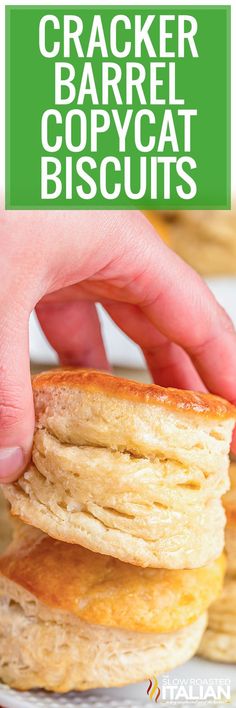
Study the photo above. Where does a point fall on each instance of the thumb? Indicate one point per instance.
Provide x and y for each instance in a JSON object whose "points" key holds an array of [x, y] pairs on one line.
{"points": [[16, 400]]}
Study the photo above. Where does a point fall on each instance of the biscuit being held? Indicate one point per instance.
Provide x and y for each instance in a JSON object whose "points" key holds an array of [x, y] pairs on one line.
{"points": [[126, 469]]}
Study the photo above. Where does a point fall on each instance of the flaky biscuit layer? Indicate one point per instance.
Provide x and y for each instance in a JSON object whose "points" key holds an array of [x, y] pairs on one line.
{"points": [[126, 469], [54, 650], [103, 591]]}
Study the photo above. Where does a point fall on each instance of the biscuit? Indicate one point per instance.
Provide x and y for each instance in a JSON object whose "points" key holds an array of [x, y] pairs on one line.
{"points": [[229, 502], [46, 650], [205, 239], [218, 646], [98, 622], [5, 523], [126, 469], [219, 640], [102, 590]]}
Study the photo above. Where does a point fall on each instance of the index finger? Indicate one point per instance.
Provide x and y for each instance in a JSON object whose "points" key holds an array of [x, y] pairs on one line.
{"points": [[179, 303]]}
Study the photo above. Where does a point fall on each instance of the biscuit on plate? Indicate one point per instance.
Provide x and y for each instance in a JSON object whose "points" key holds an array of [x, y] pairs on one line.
{"points": [[72, 619], [219, 641], [229, 502], [126, 469]]}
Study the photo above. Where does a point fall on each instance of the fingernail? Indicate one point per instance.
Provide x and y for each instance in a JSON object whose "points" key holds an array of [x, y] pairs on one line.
{"points": [[11, 462]]}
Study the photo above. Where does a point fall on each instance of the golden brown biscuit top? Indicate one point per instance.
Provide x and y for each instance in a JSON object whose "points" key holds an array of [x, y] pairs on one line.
{"points": [[102, 590], [112, 386], [229, 499]]}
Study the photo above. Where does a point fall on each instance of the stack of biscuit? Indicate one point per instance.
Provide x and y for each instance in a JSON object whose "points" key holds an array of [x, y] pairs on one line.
{"points": [[124, 493], [219, 641]]}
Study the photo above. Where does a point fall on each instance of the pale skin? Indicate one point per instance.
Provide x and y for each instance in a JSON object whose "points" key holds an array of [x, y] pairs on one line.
{"points": [[61, 263]]}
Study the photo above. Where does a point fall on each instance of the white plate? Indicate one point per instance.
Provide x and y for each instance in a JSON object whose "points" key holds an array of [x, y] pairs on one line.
{"points": [[39, 699], [133, 696]]}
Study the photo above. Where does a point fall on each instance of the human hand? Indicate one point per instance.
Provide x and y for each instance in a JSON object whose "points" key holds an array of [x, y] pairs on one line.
{"points": [[63, 262]]}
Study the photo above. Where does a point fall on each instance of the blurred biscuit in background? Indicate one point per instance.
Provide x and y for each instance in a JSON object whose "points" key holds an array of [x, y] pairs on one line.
{"points": [[219, 641], [5, 523], [204, 239], [229, 501]]}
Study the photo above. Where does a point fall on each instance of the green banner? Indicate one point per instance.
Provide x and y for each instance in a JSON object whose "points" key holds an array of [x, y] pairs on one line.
{"points": [[117, 107]]}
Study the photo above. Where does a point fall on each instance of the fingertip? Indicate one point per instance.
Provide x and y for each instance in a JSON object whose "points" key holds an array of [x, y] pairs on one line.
{"points": [[13, 461]]}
